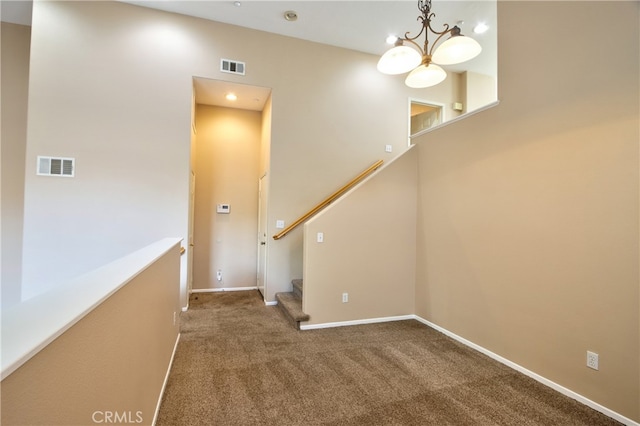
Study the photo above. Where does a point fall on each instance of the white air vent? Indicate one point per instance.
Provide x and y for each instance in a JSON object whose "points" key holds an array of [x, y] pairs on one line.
{"points": [[232, 67], [56, 166]]}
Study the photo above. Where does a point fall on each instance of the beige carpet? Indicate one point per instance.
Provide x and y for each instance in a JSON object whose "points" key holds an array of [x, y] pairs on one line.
{"points": [[241, 363]]}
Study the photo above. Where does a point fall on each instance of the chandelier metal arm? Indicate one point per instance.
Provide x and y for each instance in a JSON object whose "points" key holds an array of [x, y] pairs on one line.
{"points": [[425, 19], [419, 60], [440, 34]]}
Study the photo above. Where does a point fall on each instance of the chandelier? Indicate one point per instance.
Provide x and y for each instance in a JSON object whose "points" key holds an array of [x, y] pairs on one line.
{"points": [[424, 62]]}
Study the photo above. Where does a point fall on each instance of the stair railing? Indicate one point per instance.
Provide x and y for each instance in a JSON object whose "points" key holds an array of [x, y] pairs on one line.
{"points": [[329, 199]]}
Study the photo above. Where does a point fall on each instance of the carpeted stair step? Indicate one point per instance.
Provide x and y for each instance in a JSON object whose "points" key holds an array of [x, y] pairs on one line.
{"points": [[297, 287], [291, 305]]}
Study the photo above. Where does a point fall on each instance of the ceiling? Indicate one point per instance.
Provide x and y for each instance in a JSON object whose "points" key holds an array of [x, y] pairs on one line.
{"points": [[213, 92], [357, 25]]}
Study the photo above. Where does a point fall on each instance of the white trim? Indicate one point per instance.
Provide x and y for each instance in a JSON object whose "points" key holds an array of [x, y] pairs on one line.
{"points": [[456, 119], [356, 322], [166, 379], [571, 394], [272, 303], [216, 290], [185, 308]]}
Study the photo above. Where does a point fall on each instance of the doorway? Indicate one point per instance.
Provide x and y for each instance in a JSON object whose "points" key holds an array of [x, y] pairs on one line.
{"points": [[424, 115], [228, 160]]}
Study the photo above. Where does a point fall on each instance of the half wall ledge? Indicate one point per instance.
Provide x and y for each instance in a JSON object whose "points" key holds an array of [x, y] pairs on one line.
{"points": [[30, 326]]}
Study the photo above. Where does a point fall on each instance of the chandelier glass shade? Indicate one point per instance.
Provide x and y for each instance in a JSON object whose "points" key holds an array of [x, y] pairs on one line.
{"points": [[399, 60], [456, 50], [421, 61], [425, 76]]}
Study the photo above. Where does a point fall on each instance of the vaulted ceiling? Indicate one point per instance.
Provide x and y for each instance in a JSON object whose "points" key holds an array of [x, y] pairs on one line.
{"points": [[358, 25]]}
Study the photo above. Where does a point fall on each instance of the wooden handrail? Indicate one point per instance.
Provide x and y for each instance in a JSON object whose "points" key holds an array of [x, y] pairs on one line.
{"points": [[329, 199]]}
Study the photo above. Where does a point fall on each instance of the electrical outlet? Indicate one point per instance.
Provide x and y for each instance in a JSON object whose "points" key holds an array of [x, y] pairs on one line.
{"points": [[345, 297], [592, 360], [175, 317]]}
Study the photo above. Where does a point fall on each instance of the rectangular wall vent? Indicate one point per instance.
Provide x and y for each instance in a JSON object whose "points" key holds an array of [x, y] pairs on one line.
{"points": [[56, 166], [232, 67]]}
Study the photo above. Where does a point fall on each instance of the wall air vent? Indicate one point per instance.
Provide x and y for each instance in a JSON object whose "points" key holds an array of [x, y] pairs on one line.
{"points": [[232, 67], [56, 166]]}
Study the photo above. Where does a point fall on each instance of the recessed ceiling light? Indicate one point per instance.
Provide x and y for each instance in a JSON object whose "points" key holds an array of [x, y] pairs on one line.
{"points": [[237, 4], [392, 39], [231, 97], [291, 15], [480, 28]]}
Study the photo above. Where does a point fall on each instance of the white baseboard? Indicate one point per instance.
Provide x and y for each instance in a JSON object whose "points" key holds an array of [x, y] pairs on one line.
{"points": [[166, 379], [215, 290], [571, 394], [355, 322]]}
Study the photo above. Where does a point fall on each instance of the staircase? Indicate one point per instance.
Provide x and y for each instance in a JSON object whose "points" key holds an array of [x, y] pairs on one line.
{"points": [[291, 304]]}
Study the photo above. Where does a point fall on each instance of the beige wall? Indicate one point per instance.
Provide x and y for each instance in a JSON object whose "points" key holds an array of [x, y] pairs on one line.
{"points": [[227, 164], [368, 249], [115, 359], [528, 212], [479, 90], [15, 80], [265, 138], [111, 85]]}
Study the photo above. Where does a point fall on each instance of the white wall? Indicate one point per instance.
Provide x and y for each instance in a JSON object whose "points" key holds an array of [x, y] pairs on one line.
{"points": [[15, 79], [119, 106], [111, 85]]}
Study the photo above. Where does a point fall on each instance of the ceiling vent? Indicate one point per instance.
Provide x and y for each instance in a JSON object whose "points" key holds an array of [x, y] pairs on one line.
{"points": [[232, 67], [56, 166]]}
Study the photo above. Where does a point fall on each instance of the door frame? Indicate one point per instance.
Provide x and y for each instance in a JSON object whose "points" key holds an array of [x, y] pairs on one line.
{"points": [[439, 105], [262, 241]]}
